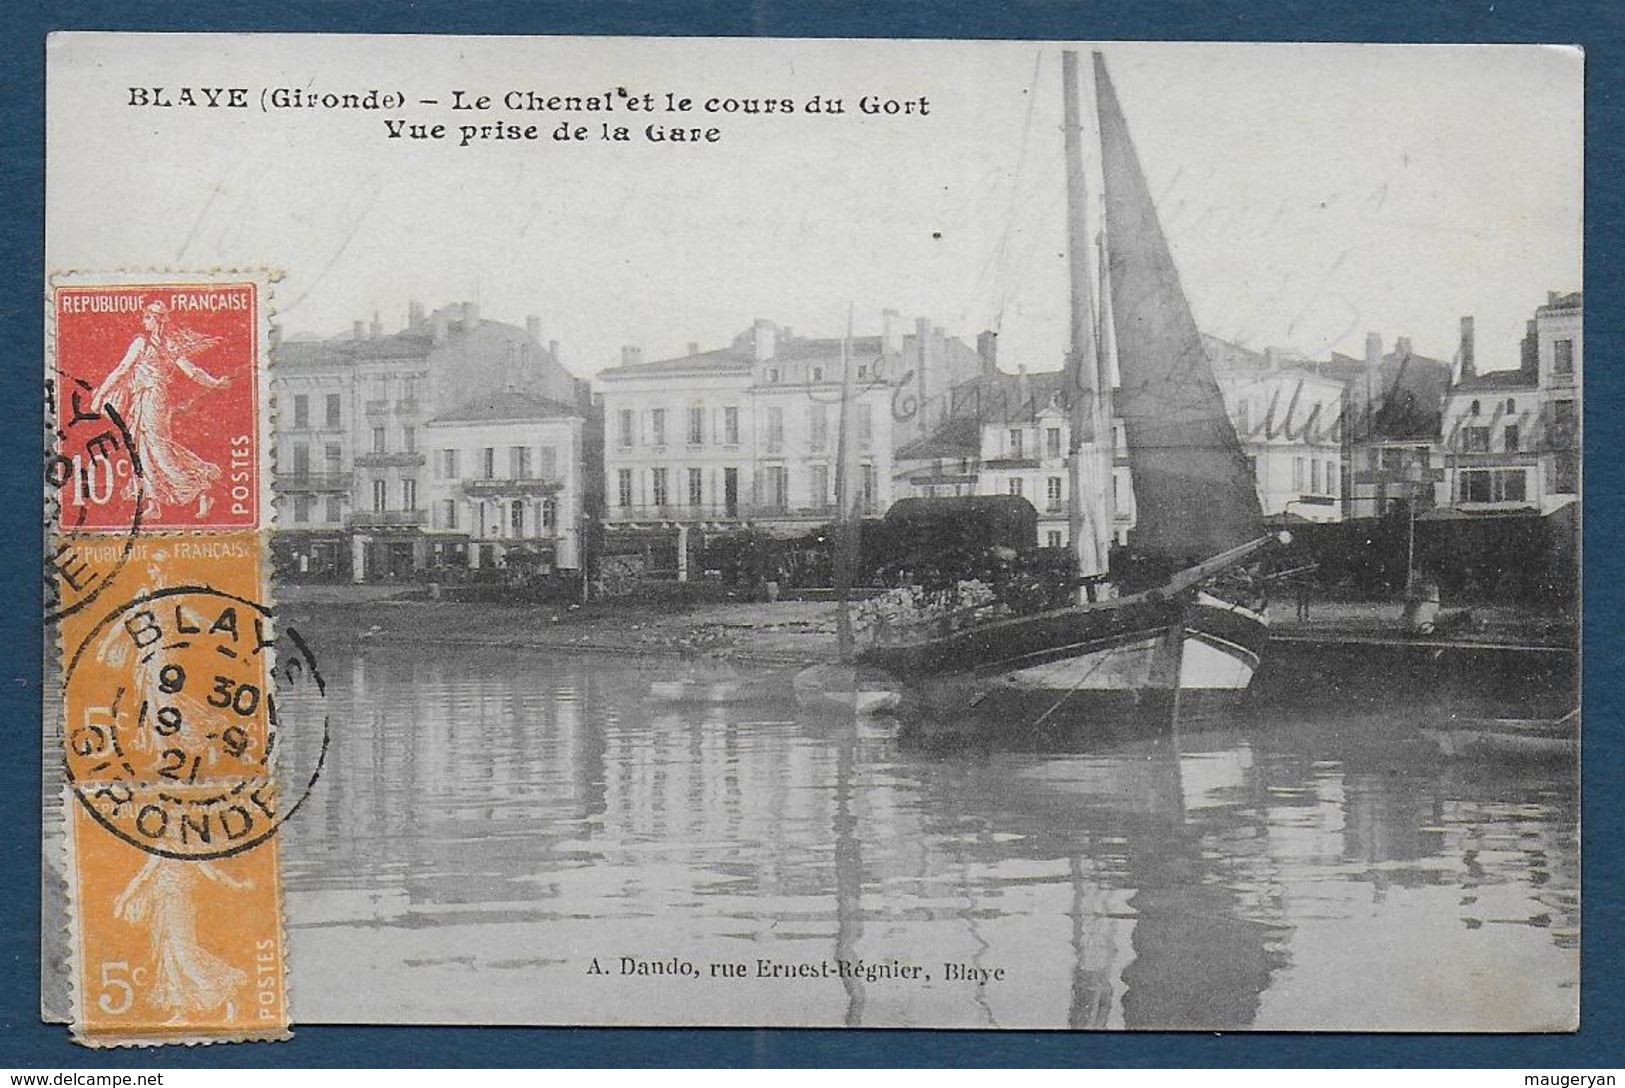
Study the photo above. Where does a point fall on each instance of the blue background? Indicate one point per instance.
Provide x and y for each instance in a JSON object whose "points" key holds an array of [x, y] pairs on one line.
{"points": [[1599, 25]]}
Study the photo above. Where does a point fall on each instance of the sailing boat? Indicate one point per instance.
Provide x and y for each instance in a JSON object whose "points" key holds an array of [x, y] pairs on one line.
{"points": [[1190, 622]]}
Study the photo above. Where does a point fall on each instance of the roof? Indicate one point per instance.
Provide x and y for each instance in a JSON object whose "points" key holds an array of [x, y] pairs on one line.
{"points": [[1001, 397], [1497, 380], [341, 351], [507, 406], [1556, 303], [959, 437], [728, 360]]}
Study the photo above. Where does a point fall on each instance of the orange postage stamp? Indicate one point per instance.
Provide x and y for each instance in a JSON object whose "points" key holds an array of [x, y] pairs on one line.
{"points": [[190, 728]]}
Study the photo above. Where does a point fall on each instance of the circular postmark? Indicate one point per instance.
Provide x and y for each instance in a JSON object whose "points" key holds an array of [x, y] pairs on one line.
{"points": [[87, 448], [193, 729]]}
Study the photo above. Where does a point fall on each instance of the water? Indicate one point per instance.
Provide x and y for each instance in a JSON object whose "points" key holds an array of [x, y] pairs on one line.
{"points": [[493, 825]]}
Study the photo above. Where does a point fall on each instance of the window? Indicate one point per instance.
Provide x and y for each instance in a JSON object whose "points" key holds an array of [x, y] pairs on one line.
{"points": [[818, 427], [623, 487], [866, 485], [1314, 476], [409, 390], [1052, 442], [1015, 444], [301, 410], [335, 456], [409, 494], [1566, 474], [377, 440], [335, 510], [775, 430], [333, 419], [657, 425], [409, 438], [730, 426], [1510, 438], [488, 463], [1512, 406], [696, 426], [1563, 358], [866, 425], [1297, 475], [696, 487], [777, 479], [519, 462], [449, 461], [1015, 486], [1493, 485], [1475, 439], [516, 518], [772, 375], [1393, 459], [817, 373], [450, 515], [863, 372], [550, 463], [657, 479], [1053, 492], [380, 496], [550, 514], [1052, 539], [1564, 434], [301, 460], [626, 429], [301, 508], [1472, 409], [820, 487]]}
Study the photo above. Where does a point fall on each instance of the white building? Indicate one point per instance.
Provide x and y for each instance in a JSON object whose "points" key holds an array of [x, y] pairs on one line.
{"points": [[506, 483], [745, 436], [1512, 437]]}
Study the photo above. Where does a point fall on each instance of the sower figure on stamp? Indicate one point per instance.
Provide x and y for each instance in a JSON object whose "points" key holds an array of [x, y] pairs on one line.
{"points": [[187, 978], [140, 389]]}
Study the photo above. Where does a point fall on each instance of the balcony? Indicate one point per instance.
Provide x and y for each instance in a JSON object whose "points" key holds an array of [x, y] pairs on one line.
{"points": [[510, 487], [406, 407], [387, 519], [398, 459], [722, 512], [378, 407], [290, 482]]}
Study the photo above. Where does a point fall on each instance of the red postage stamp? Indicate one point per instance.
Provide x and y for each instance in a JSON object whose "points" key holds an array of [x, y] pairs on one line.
{"points": [[157, 406]]}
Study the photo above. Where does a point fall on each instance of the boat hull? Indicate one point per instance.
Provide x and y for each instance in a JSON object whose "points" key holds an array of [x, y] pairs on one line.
{"points": [[1126, 667]]}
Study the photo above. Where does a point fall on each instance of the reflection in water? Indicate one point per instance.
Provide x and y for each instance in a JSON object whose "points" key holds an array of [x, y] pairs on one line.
{"points": [[502, 837]]}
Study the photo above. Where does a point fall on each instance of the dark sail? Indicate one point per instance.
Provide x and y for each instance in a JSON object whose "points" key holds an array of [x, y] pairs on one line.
{"points": [[1193, 489]]}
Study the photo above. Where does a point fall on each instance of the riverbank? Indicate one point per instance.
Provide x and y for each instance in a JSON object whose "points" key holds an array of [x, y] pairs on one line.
{"points": [[783, 632]]}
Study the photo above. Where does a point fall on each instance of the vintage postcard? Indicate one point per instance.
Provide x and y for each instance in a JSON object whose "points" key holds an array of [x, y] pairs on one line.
{"points": [[870, 533]]}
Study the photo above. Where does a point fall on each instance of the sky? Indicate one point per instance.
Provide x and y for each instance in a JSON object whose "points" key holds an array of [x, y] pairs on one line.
{"points": [[1310, 193]]}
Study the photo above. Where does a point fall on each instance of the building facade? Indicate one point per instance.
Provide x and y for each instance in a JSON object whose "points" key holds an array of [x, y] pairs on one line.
{"points": [[1512, 437], [351, 483], [505, 484], [746, 437]]}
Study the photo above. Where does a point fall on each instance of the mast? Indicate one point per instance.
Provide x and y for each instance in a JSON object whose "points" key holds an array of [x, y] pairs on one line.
{"points": [[1106, 427], [1081, 361], [845, 528]]}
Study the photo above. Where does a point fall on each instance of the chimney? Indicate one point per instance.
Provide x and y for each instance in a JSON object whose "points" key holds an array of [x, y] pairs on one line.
{"points": [[1529, 356], [1023, 387], [358, 331], [1402, 346], [533, 328], [1469, 369], [276, 333], [924, 374], [414, 315], [438, 326], [631, 355], [763, 340], [987, 349], [553, 351], [891, 334], [471, 316], [1272, 358], [1551, 298], [377, 329], [693, 347]]}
